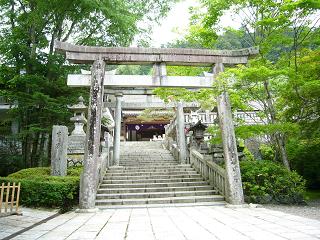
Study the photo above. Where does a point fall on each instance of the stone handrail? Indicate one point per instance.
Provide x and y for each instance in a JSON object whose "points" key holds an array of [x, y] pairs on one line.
{"points": [[212, 172], [175, 151], [172, 146], [249, 117], [105, 158], [170, 128]]}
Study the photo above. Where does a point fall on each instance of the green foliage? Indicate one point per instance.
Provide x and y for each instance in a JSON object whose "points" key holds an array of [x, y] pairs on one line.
{"points": [[39, 189], [266, 182], [304, 158], [248, 131], [312, 195], [105, 120], [31, 173], [186, 70], [248, 155], [74, 171], [267, 153], [134, 70], [33, 76]]}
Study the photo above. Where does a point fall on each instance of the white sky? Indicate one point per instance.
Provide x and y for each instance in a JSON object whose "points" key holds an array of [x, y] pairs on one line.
{"points": [[178, 18]]}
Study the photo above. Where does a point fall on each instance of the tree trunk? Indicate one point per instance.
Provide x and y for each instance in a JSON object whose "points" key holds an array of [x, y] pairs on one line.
{"points": [[280, 142], [282, 150], [41, 150]]}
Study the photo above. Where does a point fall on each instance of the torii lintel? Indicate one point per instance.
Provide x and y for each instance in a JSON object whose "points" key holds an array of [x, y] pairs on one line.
{"points": [[171, 56]]}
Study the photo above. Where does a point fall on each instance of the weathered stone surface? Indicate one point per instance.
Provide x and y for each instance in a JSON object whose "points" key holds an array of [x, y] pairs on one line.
{"points": [[218, 155], [181, 136], [92, 146], [159, 74], [230, 152], [76, 144], [118, 55], [59, 150]]}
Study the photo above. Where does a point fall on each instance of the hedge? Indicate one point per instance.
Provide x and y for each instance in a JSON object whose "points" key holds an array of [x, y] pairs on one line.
{"points": [[269, 182], [39, 189]]}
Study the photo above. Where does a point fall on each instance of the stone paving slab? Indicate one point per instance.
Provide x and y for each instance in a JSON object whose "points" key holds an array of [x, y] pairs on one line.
{"points": [[185, 223], [14, 223]]}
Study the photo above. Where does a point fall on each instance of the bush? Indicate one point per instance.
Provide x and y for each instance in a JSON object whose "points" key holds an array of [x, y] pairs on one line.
{"points": [[39, 189], [267, 153], [304, 158], [268, 182], [248, 155]]}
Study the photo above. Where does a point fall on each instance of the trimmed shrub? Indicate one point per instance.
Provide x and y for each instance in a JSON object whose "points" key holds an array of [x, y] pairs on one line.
{"points": [[39, 189], [268, 182]]}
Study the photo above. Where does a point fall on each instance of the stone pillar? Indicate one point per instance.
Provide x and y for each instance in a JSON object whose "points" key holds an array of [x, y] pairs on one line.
{"points": [[59, 150], [159, 74], [117, 130], [235, 191], [181, 136], [92, 145], [107, 146]]}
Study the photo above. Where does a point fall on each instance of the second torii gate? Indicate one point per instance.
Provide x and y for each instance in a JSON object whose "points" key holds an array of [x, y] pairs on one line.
{"points": [[159, 57]]}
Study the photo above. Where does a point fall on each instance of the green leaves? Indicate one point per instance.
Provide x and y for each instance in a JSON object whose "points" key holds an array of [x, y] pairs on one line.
{"points": [[268, 182]]}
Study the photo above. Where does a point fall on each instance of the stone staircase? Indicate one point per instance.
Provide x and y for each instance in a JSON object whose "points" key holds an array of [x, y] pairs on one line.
{"points": [[148, 174]]}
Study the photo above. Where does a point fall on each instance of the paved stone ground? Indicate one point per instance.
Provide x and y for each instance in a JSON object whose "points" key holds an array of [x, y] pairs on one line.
{"points": [[311, 210], [187, 223], [12, 224]]}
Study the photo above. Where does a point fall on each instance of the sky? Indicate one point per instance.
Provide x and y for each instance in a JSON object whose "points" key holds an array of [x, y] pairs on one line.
{"points": [[178, 18]]}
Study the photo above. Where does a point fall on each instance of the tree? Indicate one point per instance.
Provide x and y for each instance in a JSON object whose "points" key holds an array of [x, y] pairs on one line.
{"points": [[282, 30], [33, 76]]}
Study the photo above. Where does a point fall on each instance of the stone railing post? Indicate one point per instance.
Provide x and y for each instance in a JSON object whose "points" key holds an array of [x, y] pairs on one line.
{"points": [[117, 130], [92, 145], [235, 191], [181, 136]]}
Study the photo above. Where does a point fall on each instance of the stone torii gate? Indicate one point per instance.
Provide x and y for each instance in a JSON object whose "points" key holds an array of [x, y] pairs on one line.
{"points": [[159, 57]]}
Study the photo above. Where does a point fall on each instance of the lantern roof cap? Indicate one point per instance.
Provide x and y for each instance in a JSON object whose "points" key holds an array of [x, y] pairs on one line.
{"points": [[198, 125]]}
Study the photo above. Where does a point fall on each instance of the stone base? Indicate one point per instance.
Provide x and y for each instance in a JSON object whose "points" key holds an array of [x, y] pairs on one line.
{"points": [[89, 210], [237, 205]]}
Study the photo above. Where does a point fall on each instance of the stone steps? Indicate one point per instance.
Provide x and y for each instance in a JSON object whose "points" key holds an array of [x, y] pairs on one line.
{"points": [[154, 177], [152, 185], [149, 175], [189, 199], [154, 189], [154, 194], [150, 168], [195, 179]]}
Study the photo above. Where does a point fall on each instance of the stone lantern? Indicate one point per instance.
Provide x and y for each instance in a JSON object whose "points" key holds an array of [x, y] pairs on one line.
{"points": [[198, 133], [198, 130], [78, 118], [76, 140]]}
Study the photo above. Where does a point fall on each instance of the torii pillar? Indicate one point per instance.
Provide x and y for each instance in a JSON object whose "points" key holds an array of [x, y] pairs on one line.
{"points": [[117, 130], [234, 183], [181, 135], [88, 182]]}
